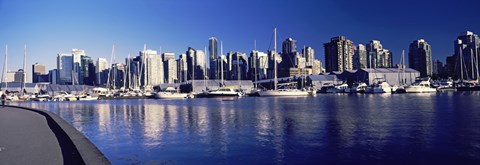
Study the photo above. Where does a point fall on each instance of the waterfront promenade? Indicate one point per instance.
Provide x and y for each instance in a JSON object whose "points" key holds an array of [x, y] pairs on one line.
{"points": [[29, 136]]}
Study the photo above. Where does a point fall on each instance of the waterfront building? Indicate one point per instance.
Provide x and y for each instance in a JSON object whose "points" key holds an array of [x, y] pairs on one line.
{"points": [[196, 67], [182, 68], [338, 54], [52, 76], [437, 67], [101, 71], [467, 47], [117, 76], [20, 76], [270, 70], [377, 56], [360, 57], [237, 66], [65, 68], [317, 67], [258, 65], [420, 57], [309, 55], [153, 67], [39, 73], [87, 71], [169, 67], [200, 65], [213, 54], [77, 65]]}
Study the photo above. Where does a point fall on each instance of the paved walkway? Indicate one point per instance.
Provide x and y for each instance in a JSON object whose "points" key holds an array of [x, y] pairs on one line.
{"points": [[30, 136]]}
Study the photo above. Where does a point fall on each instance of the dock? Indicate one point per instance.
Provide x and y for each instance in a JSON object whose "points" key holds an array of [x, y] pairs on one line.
{"points": [[30, 136]]}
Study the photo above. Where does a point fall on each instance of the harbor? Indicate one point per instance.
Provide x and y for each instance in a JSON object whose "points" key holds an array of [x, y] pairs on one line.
{"points": [[329, 128]]}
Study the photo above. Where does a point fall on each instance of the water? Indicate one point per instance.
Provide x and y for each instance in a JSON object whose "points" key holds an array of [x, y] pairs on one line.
{"points": [[441, 128]]}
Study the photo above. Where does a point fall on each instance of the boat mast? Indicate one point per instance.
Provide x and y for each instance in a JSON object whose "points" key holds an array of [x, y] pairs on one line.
{"points": [[476, 62], [274, 59], [221, 62], [5, 69], [461, 65], [24, 70], [205, 70], [255, 85]]}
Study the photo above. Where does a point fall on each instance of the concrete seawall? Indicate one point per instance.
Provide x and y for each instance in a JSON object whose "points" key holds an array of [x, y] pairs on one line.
{"points": [[30, 136]]}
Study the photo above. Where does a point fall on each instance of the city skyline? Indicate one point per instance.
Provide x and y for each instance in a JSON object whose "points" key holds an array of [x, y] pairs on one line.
{"points": [[49, 28]]}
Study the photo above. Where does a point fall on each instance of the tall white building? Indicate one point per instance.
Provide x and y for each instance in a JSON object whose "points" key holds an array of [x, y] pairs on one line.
{"points": [[200, 64], [170, 67], [77, 63], [65, 68], [101, 71], [153, 67], [309, 54]]}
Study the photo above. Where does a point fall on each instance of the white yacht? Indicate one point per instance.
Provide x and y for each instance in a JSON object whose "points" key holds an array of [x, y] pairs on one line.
{"points": [[382, 87], [170, 93], [422, 86], [225, 92], [281, 92]]}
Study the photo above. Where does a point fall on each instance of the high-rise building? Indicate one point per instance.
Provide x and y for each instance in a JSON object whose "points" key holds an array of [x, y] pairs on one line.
{"points": [[309, 54], [420, 57], [360, 57], [289, 54], [117, 75], [153, 65], [338, 54], [437, 67], [20, 76], [101, 71], [169, 67], [377, 56], [258, 65], [87, 71], [77, 65], [65, 68], [182, 68], [237, 66], [467, 47], [213, 54], [39, 73], [317, 67], [196, 64], [52, 76]]}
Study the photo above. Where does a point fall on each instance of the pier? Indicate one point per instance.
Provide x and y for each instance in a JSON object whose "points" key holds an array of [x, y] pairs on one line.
{"points": [[30, 136]]}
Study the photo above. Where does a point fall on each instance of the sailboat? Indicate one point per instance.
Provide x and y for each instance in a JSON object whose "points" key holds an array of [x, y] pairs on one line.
{"points": [[283, 91]]}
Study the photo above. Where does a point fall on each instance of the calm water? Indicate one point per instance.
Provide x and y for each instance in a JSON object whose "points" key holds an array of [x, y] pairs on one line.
{"points": [[375, 129]]}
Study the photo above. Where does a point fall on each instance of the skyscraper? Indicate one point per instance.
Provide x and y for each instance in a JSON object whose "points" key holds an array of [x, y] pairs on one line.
{"points": [[258, 65], [38, 73], [467, 47], [169, 67], [101, 71], [360, 57], [200, 65], [309, 54], [65, 68], [289, 53], [87, 71], [213, 54], [420, 57], [182, 68], [77, 65], [377, 56], [153, 68], [338, 54]]}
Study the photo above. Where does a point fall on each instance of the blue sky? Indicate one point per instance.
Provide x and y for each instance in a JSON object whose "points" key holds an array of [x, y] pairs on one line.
{"points": [[49, 27]]}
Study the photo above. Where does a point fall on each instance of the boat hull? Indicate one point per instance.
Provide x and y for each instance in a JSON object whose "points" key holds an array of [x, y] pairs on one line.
{"points": [[420, 90], [171, 96], [283, 93]]}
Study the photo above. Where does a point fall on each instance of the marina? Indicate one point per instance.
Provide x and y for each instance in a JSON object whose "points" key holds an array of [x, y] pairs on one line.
{"points": [[329, 128]]}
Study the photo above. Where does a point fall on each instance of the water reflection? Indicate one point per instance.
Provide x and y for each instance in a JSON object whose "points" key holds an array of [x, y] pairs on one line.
{"points": [[324, 129]]}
